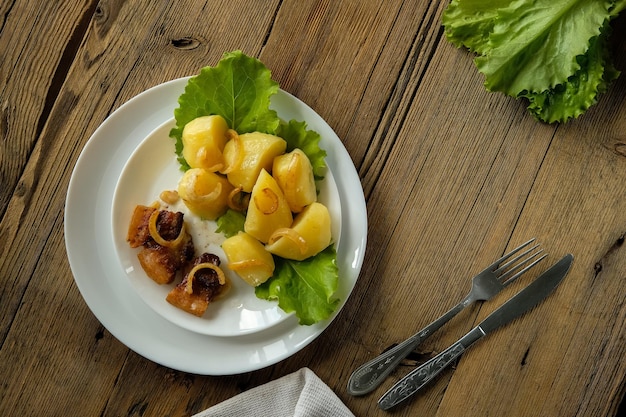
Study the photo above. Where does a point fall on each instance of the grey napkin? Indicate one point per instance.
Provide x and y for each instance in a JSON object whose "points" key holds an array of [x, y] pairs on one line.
{"points": [[300, 394]]}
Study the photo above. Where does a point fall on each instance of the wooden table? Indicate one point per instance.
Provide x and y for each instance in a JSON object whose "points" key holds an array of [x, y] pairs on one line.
{"points": [[453, 176]]}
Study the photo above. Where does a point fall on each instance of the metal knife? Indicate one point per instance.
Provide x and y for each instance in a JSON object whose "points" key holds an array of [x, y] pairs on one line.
{"points": [[520, 303]]}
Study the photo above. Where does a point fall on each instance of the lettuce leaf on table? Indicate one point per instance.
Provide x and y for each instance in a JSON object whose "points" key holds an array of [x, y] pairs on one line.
{"points": [[468, 23], [239, 88], [581, 90], [552, 52]]}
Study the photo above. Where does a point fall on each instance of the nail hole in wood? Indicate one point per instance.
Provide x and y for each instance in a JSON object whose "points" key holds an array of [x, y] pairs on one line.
{"points": [[185, 43]]}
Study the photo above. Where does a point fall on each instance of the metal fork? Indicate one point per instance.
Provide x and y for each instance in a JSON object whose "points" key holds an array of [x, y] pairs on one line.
{"points": [[485, 285]]}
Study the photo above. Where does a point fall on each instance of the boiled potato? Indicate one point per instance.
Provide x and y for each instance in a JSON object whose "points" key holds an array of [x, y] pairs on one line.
{"points": [[309, 234], [246, 155], [268, 210], [248, 258], [205, 193], [294, 174], [204, 139]]}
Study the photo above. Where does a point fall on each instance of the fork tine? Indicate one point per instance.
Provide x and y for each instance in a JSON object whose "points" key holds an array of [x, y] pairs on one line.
{"points": [[499, 268], [506, 278], [517, 258], [513, 252]]}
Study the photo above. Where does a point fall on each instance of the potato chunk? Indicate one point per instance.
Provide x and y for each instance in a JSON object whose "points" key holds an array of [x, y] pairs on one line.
{"points": [[268, 210], [248, 258], [247, 154], [204, 139], [294, 174], [309, 234], [205, 193]]}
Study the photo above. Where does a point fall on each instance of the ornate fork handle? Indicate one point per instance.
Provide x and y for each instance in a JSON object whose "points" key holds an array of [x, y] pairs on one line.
{"points": [[370, 375]]}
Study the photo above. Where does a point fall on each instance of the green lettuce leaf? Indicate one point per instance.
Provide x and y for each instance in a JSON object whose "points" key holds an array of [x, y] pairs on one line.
{"points": [[230, 223], [469, 23], [552, 52], [306, 287], [580, 92], [239, 89], [297, 136], [618, 7], [534, 44]]}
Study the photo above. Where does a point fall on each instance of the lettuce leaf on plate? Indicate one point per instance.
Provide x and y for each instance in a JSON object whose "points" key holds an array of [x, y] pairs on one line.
{"points": [[306, 287], [297, 136], [230, 223], [239, 89], [552, 52]]}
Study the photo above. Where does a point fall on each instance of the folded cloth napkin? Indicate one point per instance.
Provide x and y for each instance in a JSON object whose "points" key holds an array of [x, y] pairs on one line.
{"points": [[300, 394]]}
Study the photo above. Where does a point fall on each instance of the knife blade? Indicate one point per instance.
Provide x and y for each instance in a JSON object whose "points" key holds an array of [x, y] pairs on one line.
{"points": [[517, 305]]}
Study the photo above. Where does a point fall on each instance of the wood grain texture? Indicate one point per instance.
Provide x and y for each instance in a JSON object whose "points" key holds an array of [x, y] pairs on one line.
{"points": [[32, 70], [453, 176]]}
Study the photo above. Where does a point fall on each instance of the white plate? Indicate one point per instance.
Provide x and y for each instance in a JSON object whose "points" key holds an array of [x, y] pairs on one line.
{"points": [[153, 168], [105, 286]]}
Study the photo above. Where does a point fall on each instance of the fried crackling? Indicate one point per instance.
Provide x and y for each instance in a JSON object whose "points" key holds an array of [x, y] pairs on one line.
{"points": [[161, 263], [138, 231], [207, 285]]}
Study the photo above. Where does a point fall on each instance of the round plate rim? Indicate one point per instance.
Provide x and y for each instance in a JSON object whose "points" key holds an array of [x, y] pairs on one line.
{"points": [[90, 249]]}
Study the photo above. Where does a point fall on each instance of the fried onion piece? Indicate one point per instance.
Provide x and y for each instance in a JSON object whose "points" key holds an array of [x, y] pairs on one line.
{"points": [[205, 265], [292, 235], [156, 235], [204, 283], [238, 200], [266, 200], [234, 137]]}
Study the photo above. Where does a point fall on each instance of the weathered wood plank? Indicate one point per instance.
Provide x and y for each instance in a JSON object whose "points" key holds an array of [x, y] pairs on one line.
{"points": [[37, 47], [38, 41]]}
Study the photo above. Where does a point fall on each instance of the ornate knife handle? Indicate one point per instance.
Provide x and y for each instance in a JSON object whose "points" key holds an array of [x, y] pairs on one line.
{"points": [[420, 376], [371, 374]]}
